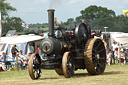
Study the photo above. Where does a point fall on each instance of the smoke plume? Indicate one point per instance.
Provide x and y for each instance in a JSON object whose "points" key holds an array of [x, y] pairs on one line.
{"points": [[54, 3]]}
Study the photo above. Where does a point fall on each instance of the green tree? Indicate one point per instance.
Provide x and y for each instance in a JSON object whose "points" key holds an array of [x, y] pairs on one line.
{"points": [[11, 23], [79, 19], [103, 22], [99, 17], [5, 8], [121, 23], [93, 12], [68, 21]]}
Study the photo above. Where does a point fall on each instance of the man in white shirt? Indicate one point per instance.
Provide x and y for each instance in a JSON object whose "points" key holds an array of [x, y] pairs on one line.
{"points": [[30, 48], [114, 45]]}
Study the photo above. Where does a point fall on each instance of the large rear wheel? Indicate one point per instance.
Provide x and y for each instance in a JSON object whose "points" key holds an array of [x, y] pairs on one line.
{"points": [[33, 66], [68, 65], [95, 56]]}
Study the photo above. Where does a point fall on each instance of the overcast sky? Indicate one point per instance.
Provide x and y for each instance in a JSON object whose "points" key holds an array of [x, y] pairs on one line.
{"points": [[35, 11]]}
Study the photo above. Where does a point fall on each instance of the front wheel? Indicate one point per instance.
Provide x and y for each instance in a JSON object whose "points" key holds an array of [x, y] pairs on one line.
{"points": [[33, 66], [59, 71], [68, 65]]}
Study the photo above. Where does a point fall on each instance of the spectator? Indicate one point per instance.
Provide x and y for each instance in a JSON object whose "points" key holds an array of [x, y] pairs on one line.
{"points": [[92, 33], [19, 61], [38, 51], [116, 54], [123, 61], [27, 58], [43, 57], [21, 54], [3, 58], [23, 59], [113, 50], [108, 58], [30, 48], [118, 46], [126, 54], [14, 51]]}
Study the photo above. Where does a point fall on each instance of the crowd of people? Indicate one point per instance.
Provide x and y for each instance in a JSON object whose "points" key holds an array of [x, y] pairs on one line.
{"points": [[22, 59], [116, 53]]}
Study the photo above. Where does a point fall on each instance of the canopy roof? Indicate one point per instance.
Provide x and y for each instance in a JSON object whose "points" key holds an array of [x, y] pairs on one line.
{"points": [[122, 38], [20, 39]]}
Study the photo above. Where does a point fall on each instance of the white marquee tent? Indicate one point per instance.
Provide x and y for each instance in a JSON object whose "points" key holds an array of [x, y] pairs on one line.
{"points": [[122, 38]]}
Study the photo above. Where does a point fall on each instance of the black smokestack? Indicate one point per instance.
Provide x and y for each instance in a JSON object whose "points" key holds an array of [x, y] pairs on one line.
{"points": [[51, 22]]}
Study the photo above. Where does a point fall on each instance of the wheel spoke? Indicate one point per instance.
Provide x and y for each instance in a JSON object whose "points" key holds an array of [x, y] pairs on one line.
{"points": [[102, 58], [98, 45], [100, 65], [94, 50], [93, 57], [98, 69], [94, 61], [93, 53], [100, 51]]}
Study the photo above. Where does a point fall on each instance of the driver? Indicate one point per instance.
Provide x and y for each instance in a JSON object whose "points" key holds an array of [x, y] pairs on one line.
{"points": [[88, 28]]}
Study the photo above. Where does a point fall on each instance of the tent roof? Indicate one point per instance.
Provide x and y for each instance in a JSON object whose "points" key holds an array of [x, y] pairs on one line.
{"points": [[122, 38], [20, 39]]}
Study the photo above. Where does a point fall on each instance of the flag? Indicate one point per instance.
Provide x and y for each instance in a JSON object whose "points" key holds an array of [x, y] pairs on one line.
{"points": [[25, 25]]}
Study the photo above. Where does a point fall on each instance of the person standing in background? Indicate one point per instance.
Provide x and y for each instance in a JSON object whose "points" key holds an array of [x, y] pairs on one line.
{"points": [[30, 48], [126, 54], [113, 50], [108, 57], [116, 55], [38, 51], [14, 51]]}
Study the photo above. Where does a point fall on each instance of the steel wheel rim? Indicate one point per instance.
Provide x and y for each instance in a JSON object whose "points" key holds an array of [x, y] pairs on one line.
{"points": [[68, 65], [99, 61], [34, 72], [95, 56], [59, 71]]}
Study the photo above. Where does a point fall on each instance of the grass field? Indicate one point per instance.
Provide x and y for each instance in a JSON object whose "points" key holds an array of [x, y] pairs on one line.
{"points": [[113, 75]]}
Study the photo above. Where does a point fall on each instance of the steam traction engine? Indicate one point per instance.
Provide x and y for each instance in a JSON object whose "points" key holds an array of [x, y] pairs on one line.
{"points": [[68, 51]]}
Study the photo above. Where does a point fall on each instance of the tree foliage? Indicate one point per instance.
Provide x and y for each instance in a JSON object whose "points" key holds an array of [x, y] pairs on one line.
{"points": [[5, 8], [11, 23], [93, 12], [99, 17]]}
